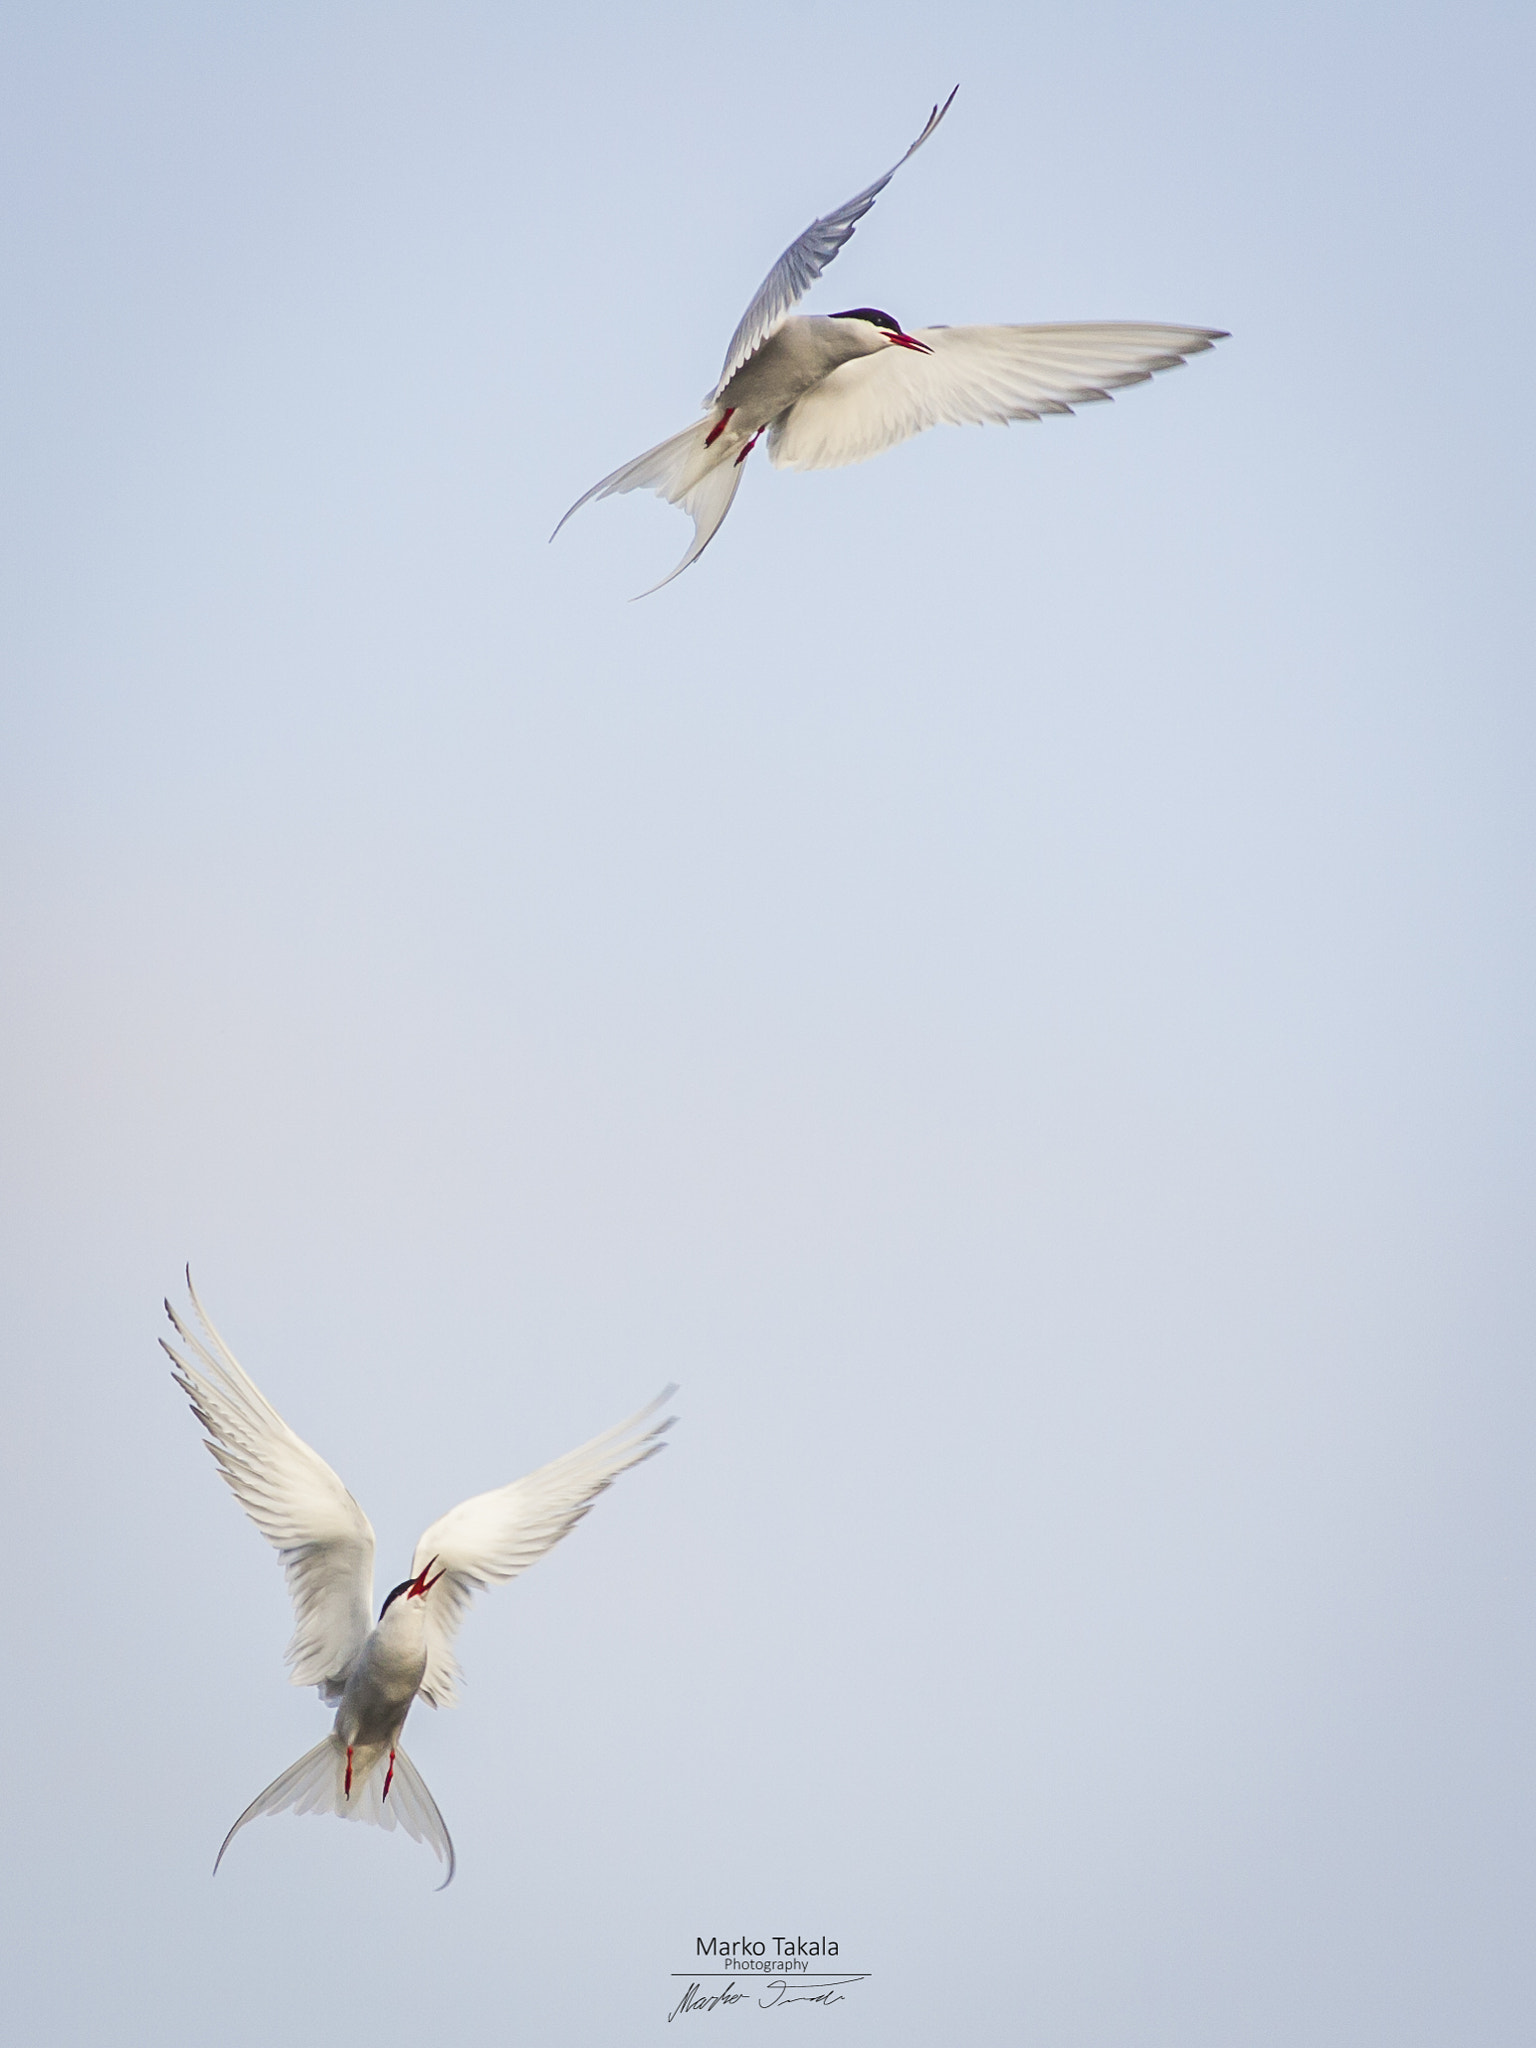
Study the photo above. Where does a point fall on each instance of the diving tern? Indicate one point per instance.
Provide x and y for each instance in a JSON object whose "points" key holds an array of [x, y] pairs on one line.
{"points": [[834, 389], [360, 1772]]}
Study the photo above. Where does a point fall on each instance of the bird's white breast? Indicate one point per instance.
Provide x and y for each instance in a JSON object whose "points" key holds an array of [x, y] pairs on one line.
{"points": [[389, 1669], [793, 361]]}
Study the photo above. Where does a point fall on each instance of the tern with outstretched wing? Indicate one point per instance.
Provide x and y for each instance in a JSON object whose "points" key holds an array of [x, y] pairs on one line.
{"points": [[374, 1671], [834, 389]]}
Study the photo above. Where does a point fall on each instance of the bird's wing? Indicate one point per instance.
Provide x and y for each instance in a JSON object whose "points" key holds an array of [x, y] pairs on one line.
{"points": [[804, 261], [973, 375], [294, 1498], [490, 1539]]}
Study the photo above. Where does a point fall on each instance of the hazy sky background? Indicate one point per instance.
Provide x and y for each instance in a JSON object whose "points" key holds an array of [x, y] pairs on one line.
{"points": [[1011, 981]]}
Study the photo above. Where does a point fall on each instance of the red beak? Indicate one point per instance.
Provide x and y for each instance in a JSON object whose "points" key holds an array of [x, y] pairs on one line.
{"points": [[422, 1583], [908, 341]]}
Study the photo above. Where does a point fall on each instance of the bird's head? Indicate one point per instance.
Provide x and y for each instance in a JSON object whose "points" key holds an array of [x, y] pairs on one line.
{"points": [[411, 1589], [889, 329]]}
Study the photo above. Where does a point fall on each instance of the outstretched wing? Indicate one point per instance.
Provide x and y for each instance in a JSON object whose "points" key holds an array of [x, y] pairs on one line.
{"points": [[490, 1539], [973, 375], [294, 1498], [804, 261]]}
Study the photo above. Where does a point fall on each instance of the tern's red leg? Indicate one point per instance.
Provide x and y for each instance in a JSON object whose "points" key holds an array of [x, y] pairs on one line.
{"points": [[347, 1788], [718, 428], [741, 458], [389, 1776]]}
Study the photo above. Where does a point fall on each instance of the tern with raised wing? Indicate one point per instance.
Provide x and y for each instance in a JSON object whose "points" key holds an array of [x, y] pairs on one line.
{"points": [[375, 1673], [834, 389]]}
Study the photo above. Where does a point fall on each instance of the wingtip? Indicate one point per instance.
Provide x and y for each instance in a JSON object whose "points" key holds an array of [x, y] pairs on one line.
{"points": [[659, 1401], [937, 115]]}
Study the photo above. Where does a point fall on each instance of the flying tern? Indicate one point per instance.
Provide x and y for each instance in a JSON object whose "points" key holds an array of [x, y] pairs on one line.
{"points": [[834, 389], [375, 1674]]}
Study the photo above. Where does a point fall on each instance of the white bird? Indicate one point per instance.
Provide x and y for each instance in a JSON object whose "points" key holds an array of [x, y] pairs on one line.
{"points": [[836, 389], [360, 1772]]}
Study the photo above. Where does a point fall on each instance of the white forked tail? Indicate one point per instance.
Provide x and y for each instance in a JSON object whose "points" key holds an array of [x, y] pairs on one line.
{"points": [[317, 1784], [698, 470], [706, 505]]}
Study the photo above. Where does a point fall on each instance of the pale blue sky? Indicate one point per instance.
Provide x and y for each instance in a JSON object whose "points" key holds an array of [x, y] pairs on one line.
{"points": [[1011, 980]]}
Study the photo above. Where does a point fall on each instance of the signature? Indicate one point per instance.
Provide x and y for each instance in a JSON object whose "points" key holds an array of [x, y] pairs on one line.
{"points": [[782, 1996], [696, 2000], [691, 2001]]}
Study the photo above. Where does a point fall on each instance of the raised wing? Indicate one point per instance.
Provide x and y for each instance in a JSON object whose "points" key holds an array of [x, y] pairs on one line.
{"points": [[294, 1498], [804, 261], [973, 375], [490, 1539]]}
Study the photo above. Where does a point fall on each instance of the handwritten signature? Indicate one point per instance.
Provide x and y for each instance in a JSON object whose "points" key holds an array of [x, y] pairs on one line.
{"points": [[782, 1996], [696, 2000]]}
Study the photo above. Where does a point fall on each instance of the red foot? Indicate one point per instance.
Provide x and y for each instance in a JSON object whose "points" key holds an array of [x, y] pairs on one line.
{"points": [[741, 458], [347, 1788], [389, 1775], [718, 428]]}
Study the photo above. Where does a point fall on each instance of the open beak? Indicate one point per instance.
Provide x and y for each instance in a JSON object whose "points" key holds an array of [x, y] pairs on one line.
{"points": [[909, 341], [422, 1584]]}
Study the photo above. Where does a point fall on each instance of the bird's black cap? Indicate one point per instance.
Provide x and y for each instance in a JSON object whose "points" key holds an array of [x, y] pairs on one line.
{"points": [[873, 315]]}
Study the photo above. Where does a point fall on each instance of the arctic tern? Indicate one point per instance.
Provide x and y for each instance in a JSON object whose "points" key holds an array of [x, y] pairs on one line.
{"points": [[375, 1674], [834, 389]]}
